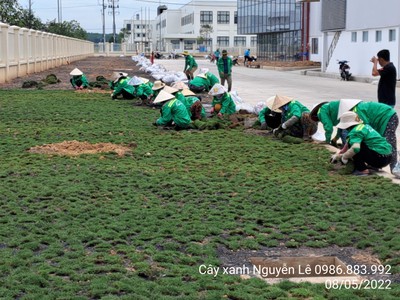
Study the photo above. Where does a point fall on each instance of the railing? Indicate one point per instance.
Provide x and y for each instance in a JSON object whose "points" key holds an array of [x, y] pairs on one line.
{"points": [[24, 51], [332, 47]]}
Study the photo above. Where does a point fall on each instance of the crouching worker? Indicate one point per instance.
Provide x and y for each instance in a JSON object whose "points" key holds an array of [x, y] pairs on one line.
{"points": [[267, 117], [78, 79], [142, 90], [296, 119], [364, 145], [222, 103], [193, 105], [121, 87], [173, 112], [327, 114]]}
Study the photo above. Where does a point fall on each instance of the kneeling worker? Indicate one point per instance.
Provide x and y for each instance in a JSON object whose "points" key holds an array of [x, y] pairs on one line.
{"points": [[364, 145]]}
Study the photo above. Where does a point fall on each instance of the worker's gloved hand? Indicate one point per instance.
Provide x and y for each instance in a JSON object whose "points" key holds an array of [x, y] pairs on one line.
{"points": [[263, 126], [277, 130], [284, 126], [343, 160], [335, 158]]}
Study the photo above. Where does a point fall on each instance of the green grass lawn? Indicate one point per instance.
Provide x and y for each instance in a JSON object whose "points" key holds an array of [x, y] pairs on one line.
{"points": [[139, 226]]}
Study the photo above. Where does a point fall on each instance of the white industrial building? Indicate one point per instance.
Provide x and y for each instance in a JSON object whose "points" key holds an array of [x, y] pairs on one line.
{"points": [[200, 26], [354, 30]]}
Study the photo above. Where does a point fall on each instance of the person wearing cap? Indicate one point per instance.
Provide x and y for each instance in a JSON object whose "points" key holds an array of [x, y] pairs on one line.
{"points": [[157, 87], [142, 90], [296, 119], [380, 116], [364, 145], [327, 114], [222, 103], [267, 117], [78, 79], [217, 54], [225, 69], [172, 112], [121, 87], [193, 105], [190, 65], [388, 77]]}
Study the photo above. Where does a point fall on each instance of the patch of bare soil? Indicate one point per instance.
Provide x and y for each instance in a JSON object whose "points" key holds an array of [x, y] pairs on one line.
{"points": [[348, 255], [92, 67], [75, 148]]}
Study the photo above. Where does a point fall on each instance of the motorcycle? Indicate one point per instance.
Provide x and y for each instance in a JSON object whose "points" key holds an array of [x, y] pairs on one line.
{"points": [[344, 70]]}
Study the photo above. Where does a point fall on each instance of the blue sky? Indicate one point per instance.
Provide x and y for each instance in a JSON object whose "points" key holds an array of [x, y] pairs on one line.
{"points": [[88, 12]]}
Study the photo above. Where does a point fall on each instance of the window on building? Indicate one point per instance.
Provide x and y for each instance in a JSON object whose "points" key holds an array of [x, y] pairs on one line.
{"points": [[378, 36], [189, 44], [365, 36], [314, 45], [175, 44], [392, 35], [206, 17], [235, 17], [354, 37], [223, 17], [223, 41], [128, 27], [253, 41], [189, 19], [239, 41]]}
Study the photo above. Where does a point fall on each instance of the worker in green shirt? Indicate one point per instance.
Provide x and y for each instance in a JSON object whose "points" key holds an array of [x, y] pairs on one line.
{"points": [[199, 84], [142, 90], [190, 65], [121, 87], [267, 117], [224, 65], [222, 103], [78, 79], [173, 112], [296, 119], [364, 145], [327, 114], [382, 117]]}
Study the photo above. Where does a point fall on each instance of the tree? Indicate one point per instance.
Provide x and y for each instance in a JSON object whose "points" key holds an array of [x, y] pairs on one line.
{"points": [[123, 34], [205, 31], [66, 28], [9, 11]]}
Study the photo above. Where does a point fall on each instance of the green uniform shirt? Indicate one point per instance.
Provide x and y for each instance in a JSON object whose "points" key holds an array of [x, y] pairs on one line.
{"points": [[123, 85], [143, 89], [327, 115], [375, 114], [199, 81], [174, 110], [262, 113], [227, 105], [374, 141], [212, 79], [189, 100], [78, 78], [190, 63], [179, 96], [295, 108], [220, 65]]}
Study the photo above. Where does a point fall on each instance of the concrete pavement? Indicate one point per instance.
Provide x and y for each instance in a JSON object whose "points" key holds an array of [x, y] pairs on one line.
{"points": [[255, 85]]}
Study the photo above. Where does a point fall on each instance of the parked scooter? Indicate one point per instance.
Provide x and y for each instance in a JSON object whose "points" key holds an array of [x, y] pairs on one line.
{"points": [[344, 70]]}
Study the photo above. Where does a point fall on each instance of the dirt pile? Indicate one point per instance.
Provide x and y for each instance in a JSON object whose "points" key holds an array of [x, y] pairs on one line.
{"points": [[75, 148]]}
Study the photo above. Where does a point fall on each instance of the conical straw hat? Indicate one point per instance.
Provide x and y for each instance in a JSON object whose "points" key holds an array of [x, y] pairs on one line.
{"points": [[117, 75], [145, 80], [187, 92], [170, 90], [163, 96], [158, 84], [346, 105], [202, 75], [76, 72], [270, 102], [217, 89], [348, 119], [180, 85], [280, 101], [314, 111]]}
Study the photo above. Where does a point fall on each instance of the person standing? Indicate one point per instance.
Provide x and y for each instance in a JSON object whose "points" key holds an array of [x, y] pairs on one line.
{"points": [[217, 54], [190, 65], [246, 56], [225, 69], [387, 82]]}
